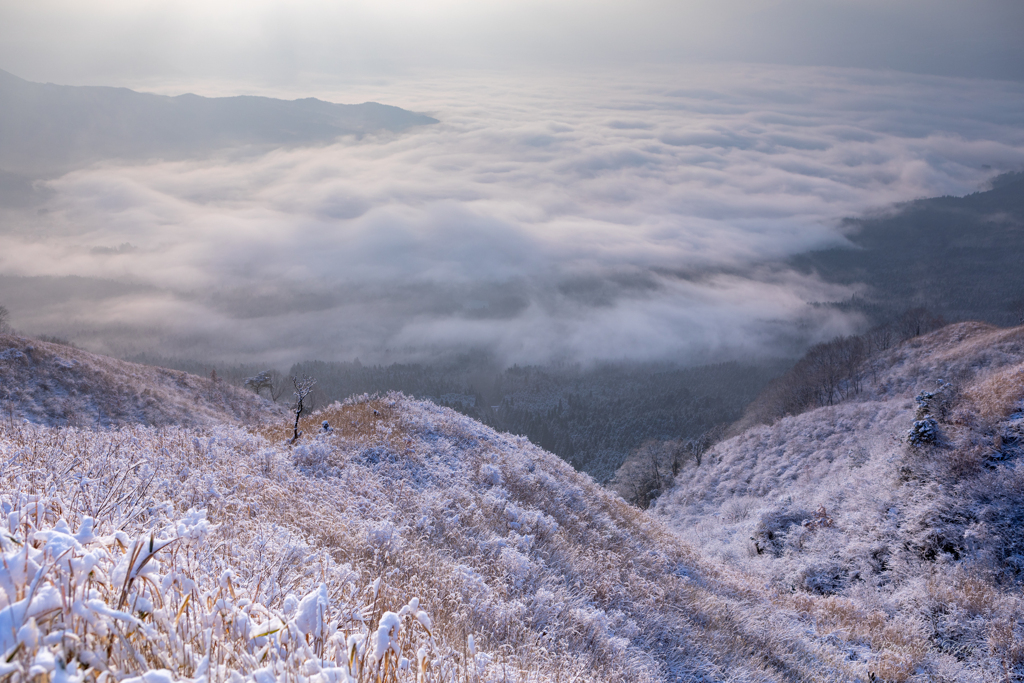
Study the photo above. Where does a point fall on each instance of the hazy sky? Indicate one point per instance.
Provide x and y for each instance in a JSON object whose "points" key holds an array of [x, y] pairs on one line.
{"points": [[275, 42], [598, 187]]}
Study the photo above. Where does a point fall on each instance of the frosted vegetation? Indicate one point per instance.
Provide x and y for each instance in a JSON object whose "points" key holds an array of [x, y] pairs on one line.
{"points": [[58, 384], [590, 417], [902, 504], [407, 542]]}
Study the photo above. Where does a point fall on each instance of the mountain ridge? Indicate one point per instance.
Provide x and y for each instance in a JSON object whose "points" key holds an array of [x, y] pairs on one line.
{"points": [[47, 128], [955, 256]]}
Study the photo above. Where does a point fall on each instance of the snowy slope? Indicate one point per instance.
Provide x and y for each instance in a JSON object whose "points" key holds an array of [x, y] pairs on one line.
{"points": [[409, 542], [261, 561], [838, 503], [60, 385]]}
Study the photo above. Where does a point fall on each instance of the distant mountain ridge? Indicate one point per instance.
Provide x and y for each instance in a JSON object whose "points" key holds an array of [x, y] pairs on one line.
{"points": [[47, 128]]}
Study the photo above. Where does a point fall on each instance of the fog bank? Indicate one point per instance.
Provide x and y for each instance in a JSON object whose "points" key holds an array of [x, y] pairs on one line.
{"points": [[591, 217]]}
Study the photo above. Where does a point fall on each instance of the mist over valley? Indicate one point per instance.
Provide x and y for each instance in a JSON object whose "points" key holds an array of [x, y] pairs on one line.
{"points": [[540, 220], [551, 257], [452, 342]]}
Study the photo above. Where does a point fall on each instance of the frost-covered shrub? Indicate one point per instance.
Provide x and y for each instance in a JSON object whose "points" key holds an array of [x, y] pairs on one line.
{"points": [[773, 528], [651, 469], [313, 454], [936, 403], [490, 474], [924, 432], [932, 406], [516, 566], [826, 577]]}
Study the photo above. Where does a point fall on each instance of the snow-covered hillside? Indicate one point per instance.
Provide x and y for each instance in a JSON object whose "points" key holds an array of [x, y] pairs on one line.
{"points": [[60, 385], [407, 542], [839, 503]]}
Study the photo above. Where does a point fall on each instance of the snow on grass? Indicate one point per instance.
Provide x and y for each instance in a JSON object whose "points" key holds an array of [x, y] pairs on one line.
{"points": [[165, 602], [407, 543], [53, 384], [916, 550]]}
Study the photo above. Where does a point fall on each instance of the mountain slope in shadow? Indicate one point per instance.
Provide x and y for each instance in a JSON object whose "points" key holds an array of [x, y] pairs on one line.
{"points": [[957, 256]]}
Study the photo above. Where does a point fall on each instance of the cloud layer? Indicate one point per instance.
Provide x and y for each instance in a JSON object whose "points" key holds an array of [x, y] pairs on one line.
{"points": [[594, 217]]}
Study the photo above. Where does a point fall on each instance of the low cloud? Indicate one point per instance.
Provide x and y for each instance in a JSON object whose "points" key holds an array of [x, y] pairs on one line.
{"points": [[626, 216]]}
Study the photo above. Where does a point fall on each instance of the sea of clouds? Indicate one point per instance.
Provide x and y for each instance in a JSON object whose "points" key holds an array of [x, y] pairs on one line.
{"points": [[601, 216]]}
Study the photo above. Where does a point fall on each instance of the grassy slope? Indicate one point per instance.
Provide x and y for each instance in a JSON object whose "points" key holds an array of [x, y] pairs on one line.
{"points": [[553, 576]]}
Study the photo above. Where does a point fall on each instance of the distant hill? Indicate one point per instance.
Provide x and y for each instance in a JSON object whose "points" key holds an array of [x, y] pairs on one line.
{"points": [[59, 385], [959, 257], [46, 128]]}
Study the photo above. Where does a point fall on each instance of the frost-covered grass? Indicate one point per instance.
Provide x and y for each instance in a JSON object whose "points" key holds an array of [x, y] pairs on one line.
{"points": [[54, 384], [106, 577], [884, 540], [407, 543]]}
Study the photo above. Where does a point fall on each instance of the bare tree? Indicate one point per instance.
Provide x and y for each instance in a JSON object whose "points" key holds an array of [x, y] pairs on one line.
{"points": [[697, 446], [303, 387], [4, 317], [881, 338], [1017, 309], [277, 385], [917, 321]]}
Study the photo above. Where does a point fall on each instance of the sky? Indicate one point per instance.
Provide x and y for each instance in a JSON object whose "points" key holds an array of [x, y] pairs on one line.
{"points": [[607, 180], [274, 42]]}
